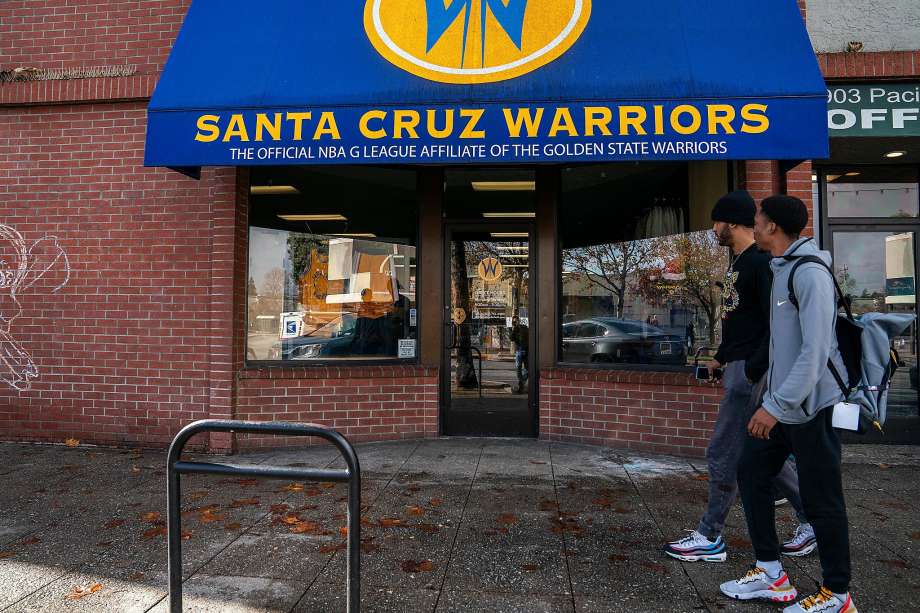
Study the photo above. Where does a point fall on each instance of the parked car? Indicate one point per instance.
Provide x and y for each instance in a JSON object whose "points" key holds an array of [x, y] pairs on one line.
{"points": [[331, 339], [607, 339]]}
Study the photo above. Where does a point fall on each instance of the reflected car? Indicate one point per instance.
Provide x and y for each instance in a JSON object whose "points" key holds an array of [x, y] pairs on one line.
{"points": [[329, 340], [608, 339]]}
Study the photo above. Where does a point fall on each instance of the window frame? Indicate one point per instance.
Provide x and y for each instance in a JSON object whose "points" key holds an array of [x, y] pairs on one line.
{"points": [[251, 365]]}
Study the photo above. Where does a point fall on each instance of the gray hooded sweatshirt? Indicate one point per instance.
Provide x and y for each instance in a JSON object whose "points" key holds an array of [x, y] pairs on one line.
{"points": [[799, 382]]}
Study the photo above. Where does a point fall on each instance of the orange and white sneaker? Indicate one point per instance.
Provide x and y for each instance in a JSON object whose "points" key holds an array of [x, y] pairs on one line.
{"points": [[757, 585], [823, 602]]}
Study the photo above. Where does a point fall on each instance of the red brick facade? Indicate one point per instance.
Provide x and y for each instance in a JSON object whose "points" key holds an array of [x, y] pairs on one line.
{"points": [[148, 333]]}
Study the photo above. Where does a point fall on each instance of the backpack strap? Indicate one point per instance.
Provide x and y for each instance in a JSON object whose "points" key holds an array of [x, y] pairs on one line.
{"points": [[813, 259], [841, 300]]}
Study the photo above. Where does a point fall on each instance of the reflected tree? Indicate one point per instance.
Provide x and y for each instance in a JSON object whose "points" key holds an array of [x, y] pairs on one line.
{"points": [[611, 266]]}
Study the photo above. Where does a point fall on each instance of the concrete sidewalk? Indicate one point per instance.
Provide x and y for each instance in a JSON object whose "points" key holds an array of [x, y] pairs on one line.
{"points": [[448, 525]]}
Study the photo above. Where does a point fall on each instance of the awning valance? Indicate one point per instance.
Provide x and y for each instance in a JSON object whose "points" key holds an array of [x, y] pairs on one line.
{"points": [[422, 81]]}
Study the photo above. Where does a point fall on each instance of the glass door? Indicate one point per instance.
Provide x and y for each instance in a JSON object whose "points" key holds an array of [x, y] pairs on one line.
{"points": [[488, 333], [876, 269]]}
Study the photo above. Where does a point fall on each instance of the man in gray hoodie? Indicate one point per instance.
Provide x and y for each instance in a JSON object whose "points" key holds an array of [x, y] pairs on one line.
{"points": [[795, 417]]}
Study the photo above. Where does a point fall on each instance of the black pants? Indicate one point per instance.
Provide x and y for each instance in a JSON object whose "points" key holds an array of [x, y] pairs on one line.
{"points": [[817, 454]]}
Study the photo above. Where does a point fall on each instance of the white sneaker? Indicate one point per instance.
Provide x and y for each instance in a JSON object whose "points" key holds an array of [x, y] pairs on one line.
{"points": [[756, 584], [695, 548], [822, 602], [802, 543]]}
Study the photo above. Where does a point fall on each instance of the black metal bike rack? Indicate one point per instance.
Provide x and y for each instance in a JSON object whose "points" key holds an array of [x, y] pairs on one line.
{"points": [[455, 345], [352, 476]]}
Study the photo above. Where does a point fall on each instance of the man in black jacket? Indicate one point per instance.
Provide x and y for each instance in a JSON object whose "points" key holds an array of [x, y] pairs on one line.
{"points": [[744, 358]]}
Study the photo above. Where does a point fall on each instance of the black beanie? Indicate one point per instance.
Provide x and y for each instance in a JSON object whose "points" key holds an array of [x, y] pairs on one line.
{"points": [[787, 212], [736, 207]]}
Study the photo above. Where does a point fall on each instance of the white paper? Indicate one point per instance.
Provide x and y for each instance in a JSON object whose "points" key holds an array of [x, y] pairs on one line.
{"points": [[413, 318], [406, 348], [846, 416]]}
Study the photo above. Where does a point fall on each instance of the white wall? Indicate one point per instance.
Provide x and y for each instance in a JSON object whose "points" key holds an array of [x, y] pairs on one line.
{"points": [[881, 25]]}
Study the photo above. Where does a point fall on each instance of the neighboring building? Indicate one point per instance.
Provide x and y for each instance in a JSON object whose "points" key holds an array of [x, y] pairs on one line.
{"points": [[135, 299]]}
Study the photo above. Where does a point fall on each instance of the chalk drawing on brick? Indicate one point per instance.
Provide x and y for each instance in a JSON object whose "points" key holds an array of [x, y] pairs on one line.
{"points": [[40, 269]]}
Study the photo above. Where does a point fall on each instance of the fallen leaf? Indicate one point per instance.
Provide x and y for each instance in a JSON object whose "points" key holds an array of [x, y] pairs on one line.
{"points": [[411, 566], [135, 470], [245, 502], [114, 523], [305, 527], [331, 548], [154, 532], [896, 563], [435, 502], [208, 516], [654, 566], [390, 522], [280, 508], [79, 592], [884, 466], [72, 442], [31, 540], [152, 516], [135, 576], [549, 505], [327, 486], [293, 487], [416, 511], [616, 557], [343, 531], [291, 519], [427, 528], [232, 526], [915, 536], [197, 495], [369, 547], [530, 568], [509, 519], [702, 477], [7, 554], [186, 535], [247, 482]]}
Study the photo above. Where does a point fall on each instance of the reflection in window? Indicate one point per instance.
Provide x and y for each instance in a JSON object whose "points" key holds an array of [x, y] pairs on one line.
{"points": [[637, 285], [872, 192], [320, 291]]}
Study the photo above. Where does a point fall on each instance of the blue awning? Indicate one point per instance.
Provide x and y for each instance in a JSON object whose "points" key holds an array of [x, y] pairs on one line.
{"points": [[422, 81]]}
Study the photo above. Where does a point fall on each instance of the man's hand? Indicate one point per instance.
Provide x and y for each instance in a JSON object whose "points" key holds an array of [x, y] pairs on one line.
{"points": [[761, 424], [712, 371]]}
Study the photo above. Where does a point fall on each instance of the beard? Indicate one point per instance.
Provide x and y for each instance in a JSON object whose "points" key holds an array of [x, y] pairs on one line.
{"points": [[724, 237]]}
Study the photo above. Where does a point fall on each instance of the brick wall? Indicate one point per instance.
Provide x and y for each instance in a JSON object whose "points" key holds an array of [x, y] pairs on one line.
{"points": [[641, 411], [368, 403], [122, 350]]}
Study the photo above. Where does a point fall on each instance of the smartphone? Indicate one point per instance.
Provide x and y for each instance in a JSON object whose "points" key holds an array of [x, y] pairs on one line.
{"points": [[702, 373]]}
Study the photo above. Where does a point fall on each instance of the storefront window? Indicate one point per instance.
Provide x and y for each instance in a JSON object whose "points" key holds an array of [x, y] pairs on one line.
{"points": [[332, 265], [872, 192], [640, 266]]}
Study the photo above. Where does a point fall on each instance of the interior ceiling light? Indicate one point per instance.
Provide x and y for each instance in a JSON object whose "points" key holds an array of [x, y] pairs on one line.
{"points": [[504, 186], [814, 177], [273, 190], [519, 256], [852, 174], [517, 266], [895, 154], [512, 248], [510, 235], [356, 235], [313, 217], [509, 215]]}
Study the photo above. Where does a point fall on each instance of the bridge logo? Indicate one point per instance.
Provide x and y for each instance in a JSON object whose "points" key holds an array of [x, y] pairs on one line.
{"points": [[490, 270], [474, 41]]}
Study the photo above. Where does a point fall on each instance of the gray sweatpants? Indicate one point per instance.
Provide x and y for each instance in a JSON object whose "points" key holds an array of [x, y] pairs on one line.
{"points": [[739, 401]]}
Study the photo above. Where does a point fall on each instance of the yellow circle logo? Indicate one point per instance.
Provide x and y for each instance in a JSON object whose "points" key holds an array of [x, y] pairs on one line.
{"points": [[474, 41], [490, 270]]}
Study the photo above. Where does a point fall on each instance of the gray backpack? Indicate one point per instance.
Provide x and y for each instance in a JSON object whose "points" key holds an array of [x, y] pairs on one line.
{"points": [[865, 345]]}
